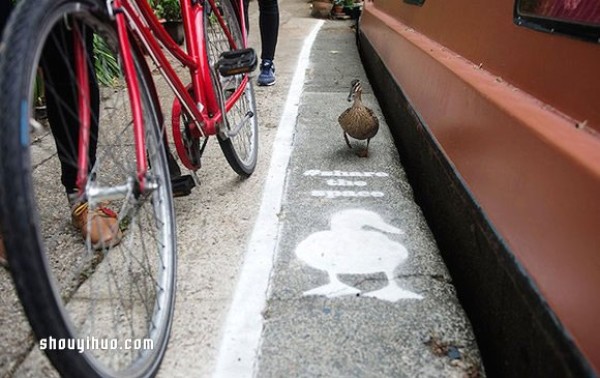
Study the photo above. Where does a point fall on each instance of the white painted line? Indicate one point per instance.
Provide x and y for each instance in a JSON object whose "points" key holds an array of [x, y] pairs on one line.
{"points": [[244, 324]]}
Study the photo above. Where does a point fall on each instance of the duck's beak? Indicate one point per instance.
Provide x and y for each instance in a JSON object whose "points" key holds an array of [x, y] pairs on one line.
{"points": [[351, 95]]}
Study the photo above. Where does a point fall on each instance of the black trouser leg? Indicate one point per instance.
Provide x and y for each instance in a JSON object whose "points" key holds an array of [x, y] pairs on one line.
{"points": [[246, 5], [58, 65], [62, 96], [268, 21]]}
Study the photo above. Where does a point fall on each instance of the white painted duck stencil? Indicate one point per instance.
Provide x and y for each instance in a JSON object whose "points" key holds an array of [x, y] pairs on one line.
{"points": [[349, 248]]}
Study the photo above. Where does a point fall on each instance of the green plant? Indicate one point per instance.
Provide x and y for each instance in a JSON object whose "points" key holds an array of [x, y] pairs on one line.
{"points": [[344, 3], [38, 89], [105, 63], [166, 9]]}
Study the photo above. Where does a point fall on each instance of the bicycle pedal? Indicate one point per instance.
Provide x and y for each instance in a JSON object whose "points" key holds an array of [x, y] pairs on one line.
{"points": [[237, 62], [182, 185]]}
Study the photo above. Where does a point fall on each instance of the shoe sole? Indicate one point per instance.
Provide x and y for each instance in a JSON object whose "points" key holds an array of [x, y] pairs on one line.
{"points": [[265, 84]]}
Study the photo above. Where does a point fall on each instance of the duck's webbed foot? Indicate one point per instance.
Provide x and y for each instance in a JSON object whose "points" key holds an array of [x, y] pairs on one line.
{"points": [[392, 292], [363, 153], [332, 290]]}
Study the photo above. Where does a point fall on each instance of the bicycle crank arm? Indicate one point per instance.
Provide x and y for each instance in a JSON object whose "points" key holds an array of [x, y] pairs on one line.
{"points": [[237, 62], [233, 132]]}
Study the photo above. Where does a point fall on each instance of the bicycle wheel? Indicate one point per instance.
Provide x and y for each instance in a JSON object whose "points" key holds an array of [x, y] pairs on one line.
{"points": [[240, 150], [97, 310]]}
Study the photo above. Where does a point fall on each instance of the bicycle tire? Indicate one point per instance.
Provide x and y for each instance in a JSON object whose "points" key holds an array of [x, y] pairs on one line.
{"points": [[241, 150], [69, 290]]}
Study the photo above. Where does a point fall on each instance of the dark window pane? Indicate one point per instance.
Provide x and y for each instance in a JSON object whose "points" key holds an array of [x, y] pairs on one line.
{"points": [[585, 12], [417, 2]]}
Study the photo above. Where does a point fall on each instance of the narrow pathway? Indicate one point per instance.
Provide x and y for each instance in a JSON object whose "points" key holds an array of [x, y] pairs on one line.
{"points": [[358, 288]]}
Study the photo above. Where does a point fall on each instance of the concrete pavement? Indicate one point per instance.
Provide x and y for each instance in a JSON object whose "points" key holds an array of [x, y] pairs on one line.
{"points": [[358, 287]]}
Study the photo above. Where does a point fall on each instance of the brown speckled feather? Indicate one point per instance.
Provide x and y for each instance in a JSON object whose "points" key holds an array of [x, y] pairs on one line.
{"points": [[358, 121]]}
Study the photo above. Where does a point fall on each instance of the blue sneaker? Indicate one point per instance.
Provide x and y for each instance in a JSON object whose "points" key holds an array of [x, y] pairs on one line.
{"points": [[267, 73]]}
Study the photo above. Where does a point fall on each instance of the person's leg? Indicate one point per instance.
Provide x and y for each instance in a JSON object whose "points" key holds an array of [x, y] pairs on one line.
{"points": [[62, 102], [269, 29], [58, 66], [268, 22], [246, 19], [62, 108]]}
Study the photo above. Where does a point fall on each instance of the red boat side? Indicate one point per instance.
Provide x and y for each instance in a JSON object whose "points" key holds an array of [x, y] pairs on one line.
{"points": [[507, 117]]}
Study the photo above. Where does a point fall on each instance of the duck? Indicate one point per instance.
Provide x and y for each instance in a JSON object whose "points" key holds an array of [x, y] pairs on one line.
{"points": [[349, 248], [358, 121]]}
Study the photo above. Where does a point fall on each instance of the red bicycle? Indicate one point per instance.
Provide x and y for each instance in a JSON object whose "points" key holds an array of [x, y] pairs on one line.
{"points": [[86, 66]]}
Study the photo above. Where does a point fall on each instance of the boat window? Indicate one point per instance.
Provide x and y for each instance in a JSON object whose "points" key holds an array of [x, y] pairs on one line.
{"points": [[415, 2], [579, 18]]}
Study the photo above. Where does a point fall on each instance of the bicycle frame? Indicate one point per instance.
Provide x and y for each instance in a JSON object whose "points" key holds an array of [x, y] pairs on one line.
{"points": [[136, 18]]}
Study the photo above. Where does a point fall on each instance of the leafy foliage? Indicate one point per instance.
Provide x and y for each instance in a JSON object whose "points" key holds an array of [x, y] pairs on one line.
{"points": [[170, 10], [105, 63]]}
